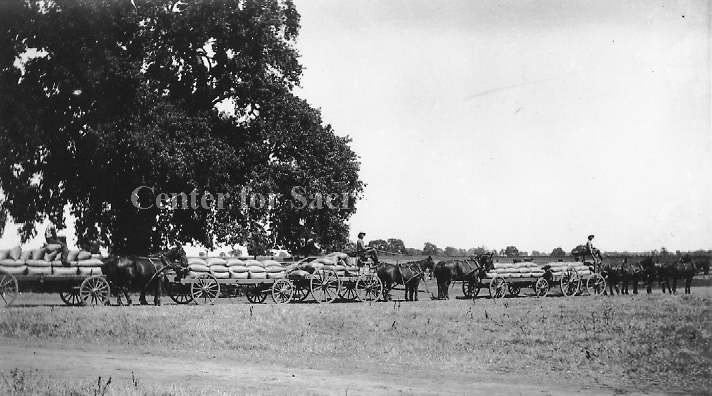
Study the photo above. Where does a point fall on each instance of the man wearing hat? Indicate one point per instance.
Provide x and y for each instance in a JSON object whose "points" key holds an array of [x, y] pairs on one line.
{"points": [[362, 250], [54, 243], [590, 249]]}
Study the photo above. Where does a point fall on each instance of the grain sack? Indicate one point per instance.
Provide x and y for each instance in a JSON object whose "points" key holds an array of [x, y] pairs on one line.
{"points": [[255, 269], [239, 275], [258, 275], [253, 263], [26, 255], [238, 269], [83, 255], [198, 268], [218, 268], [90, 263], [291, 267], [8, 262], [490, 274], [274, 268], [19, 270], [501, 270], [72, 255], [90, 271], [340, 255], [339, 268], [215, 261], [196, 260], [262, 258], [326, 260], [4, 254], [235, 262], [65, 271], [15, 253], [523, 270], [271, 263], [53, 247], [38, 263], [39, 270], [221, 275], [340, 273], [50, 256], [276, 275], [96, 256], [36, 254]]}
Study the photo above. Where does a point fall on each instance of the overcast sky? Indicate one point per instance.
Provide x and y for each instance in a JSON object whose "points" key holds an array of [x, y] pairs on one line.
{"points": [[526, 123]]}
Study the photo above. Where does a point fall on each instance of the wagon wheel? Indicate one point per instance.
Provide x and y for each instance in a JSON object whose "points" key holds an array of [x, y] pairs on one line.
{"points": [[570, 282], [514, 289], [325, 286], [301, 292], [282, 291], [541, 287], [179, 293], [255, 294], [596, 284], [94, 291], [497, 287], [71, 296], [348, 292], [369, 288], [205, 289], [9, 288]]}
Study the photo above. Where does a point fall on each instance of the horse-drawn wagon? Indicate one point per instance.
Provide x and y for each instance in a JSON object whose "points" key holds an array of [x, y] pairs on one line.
{"points": [[80, 282], [326, 279]]}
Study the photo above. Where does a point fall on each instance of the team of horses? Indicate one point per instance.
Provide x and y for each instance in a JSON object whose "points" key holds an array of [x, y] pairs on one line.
{"points": [[144, 274]]}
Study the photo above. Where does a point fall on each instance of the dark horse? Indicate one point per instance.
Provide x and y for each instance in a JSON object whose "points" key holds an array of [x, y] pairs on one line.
{"points": [[127, 273], [407, 274], [623, 271], [685, 267], [468, 270]]}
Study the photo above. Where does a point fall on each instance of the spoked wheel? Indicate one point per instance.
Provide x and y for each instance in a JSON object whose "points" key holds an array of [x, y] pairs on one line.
{"points": [[179, 293], [94, 291], [205, 289], [467, 288], [369, 288], [596, 284], [497, 287], [71, 297], [282, 291], [348, 291], [9, 288], [541, 287], [301, 292], [514, 289], [325, 286], [255, 294], [570, 282]]}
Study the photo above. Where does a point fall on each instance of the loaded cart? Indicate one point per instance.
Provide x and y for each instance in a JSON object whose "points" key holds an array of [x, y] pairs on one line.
{"points": [[325, 279], [572, 278], [79, 283]]}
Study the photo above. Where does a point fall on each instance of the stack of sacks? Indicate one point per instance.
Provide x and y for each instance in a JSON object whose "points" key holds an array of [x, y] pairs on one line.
{"points": [[333, 263], [349, 263], [197, 267], [274, 269], [11, 261], [237, 268], [558, 268], [217, 267], [40, 262], [84, 262], [516, 270], [256, 269]]}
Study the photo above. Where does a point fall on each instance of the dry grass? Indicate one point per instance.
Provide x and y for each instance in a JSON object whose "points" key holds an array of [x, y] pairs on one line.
{"points": [[643, 342]]}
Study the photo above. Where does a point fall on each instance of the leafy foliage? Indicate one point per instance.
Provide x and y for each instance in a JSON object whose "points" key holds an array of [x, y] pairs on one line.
{"points": [[112, 95], [558, 252]]}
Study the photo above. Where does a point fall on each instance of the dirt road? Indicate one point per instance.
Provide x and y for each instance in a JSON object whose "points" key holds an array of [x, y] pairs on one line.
{"points": [[241, 377]]}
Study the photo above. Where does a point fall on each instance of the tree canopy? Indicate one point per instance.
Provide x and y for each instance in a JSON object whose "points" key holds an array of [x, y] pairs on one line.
{"points": [[98, 97]]}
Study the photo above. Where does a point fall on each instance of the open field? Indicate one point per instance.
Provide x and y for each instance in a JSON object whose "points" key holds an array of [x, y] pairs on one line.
{"points": [[655, 343]]}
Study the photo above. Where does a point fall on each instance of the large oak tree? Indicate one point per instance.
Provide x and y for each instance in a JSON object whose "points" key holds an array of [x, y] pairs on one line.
{"points": [[100, 97]]}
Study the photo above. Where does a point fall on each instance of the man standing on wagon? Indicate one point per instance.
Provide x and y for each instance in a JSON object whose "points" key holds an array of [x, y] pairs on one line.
{"points": [[595, 253], [362, 250], [53, 243]]}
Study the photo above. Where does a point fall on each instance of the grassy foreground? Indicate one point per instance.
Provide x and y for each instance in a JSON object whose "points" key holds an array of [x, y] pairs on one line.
{"points": [[642, 342]]}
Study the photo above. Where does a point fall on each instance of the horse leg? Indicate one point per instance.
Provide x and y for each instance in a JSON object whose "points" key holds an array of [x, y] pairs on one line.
{"points": [[635, 286], [674, 285], [688, 283], [157, 290], [415, 291], [126, 294]]}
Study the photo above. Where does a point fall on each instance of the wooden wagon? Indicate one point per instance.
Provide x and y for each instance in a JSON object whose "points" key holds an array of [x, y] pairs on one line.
{"points": [[73, 289], [324, 286]]}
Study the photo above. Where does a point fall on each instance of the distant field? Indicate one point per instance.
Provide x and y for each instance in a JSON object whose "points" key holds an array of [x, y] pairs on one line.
{"points": [[554, 344]]}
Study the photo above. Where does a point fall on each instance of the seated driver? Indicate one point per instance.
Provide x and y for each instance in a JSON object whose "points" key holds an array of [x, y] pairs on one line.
{"points": [[362, 250]]}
